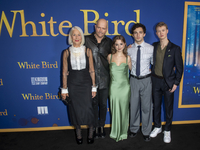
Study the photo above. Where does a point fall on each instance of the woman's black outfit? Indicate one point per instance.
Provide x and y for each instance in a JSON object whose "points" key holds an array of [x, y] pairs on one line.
{"points": [[79, 84]]}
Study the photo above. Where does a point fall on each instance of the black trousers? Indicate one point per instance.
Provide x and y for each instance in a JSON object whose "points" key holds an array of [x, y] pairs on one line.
{"points": [[160, 88], [100, 107]]}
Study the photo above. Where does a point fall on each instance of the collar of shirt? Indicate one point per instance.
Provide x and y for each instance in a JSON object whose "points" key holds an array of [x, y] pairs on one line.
{"points": [[145, 59], [136, 45]]}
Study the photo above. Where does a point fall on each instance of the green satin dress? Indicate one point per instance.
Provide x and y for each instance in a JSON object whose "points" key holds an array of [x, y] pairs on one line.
{"points": [[119, 100]]}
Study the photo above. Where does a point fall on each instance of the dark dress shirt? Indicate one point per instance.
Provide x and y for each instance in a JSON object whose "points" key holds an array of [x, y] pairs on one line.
{"points": [[100, 52]]}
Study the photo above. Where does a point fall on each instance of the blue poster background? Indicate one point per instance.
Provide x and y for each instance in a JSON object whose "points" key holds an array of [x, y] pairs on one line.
{"points": [[33, 35]]}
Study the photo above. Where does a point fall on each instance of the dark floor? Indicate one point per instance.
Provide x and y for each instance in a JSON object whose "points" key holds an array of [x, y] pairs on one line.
{"points": [[184, 137]]}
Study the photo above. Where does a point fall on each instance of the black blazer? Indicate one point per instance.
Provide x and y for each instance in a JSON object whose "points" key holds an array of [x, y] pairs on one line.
{"points": [[172, 58]]}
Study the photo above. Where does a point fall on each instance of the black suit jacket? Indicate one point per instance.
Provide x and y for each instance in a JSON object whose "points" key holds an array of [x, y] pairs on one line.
{"points": [[172, 58]]}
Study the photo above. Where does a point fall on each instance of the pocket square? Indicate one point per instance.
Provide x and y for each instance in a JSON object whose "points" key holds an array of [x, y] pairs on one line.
{"points": [[169, 55]]}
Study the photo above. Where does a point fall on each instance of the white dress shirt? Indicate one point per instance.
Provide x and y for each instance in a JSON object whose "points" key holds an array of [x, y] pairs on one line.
{"points": [[146, 58]]}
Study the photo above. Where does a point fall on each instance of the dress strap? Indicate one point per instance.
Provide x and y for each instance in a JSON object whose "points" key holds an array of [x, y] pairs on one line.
{"points": [[127, 60], [111, 58]]}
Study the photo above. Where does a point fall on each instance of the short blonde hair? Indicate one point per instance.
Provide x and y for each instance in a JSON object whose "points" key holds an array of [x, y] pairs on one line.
{"points": [[160, 24], [70, 34]]}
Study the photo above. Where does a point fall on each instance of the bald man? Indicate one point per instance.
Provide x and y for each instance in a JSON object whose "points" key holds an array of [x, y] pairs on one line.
{"points": [[101, 47]]}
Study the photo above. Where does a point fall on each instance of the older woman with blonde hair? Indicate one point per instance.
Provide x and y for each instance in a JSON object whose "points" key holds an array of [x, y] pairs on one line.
{"points": [[78, 78]]}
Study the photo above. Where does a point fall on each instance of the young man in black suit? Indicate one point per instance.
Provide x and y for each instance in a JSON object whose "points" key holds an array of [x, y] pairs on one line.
{"points": [[166, 76]]}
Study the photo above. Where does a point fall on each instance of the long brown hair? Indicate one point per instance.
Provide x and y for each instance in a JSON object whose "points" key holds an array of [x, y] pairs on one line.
{"points": [[119, 37]]}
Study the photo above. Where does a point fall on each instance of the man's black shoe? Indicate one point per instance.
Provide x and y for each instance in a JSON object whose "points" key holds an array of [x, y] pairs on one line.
{"points": [[132, 134], [147, 138], [96, 133], [102, 132]]}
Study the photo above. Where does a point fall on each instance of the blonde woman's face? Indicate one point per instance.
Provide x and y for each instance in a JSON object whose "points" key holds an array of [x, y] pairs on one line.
{"points": [[76, 38]]}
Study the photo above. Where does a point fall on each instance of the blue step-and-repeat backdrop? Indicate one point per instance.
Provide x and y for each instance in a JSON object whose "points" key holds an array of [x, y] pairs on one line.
{"points": [[33, 35]]}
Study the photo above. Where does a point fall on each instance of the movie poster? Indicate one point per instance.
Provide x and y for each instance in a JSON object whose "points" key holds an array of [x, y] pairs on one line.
{"points": [[191, 55]]}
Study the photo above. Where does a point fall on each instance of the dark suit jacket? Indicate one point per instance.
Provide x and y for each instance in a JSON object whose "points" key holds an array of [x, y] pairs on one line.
{"points": [[172, 58]]}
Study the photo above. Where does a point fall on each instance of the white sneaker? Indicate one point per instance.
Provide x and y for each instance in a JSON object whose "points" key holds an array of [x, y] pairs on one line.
{"points": [[167, 136], [155, 132]]}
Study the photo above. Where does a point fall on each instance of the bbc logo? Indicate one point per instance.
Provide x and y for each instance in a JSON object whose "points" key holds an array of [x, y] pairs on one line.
{"points": [[42, 110]]}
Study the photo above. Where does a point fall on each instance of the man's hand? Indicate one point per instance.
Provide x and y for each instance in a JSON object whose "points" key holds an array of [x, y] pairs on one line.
{"points": [[173, 88], [130, 46]]}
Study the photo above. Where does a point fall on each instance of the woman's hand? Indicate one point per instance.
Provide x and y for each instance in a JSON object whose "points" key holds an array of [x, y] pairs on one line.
{"points": [[94, 94], [63, 96]]}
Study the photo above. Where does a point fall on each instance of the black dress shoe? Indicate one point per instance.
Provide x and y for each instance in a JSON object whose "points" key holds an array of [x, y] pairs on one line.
{"points": [[102, 132], [132, 134], [90, 140], [96, 133], [147, 138], [79, 141]]}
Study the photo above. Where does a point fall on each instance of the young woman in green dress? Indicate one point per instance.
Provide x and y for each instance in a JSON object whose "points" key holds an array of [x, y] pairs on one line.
{"points": [[119, 92]]}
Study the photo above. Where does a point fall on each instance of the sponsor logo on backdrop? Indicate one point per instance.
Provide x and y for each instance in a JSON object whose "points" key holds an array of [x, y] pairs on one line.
{"points": [[4, 113], [46, 96], [42, 110], [42, 65], [39, 80], [1, 82], [62, 25]]}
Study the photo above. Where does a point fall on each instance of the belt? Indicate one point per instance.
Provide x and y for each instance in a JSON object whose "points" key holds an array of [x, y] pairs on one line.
{"points": [[141, 77], [160, 77]]}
